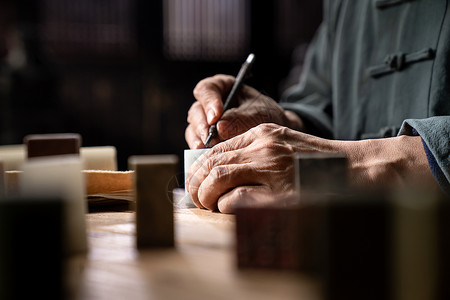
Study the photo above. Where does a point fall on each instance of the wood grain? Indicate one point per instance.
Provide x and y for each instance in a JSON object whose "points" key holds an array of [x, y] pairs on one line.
{"points": [[201, 266]]}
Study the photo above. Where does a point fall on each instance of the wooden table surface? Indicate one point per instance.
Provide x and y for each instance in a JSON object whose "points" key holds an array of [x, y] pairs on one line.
{"points": [[201, 266]]}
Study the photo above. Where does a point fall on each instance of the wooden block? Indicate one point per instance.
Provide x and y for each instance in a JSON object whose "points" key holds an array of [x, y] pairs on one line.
{"points": [[98, 182], [357, 250], [421, 245], [99, 158], [320, 173], [154, 182], [12, 183], [61, 177], [443, 246], [2, 179], [52, 144], [279, 238], [31, 248], [13, 156]]}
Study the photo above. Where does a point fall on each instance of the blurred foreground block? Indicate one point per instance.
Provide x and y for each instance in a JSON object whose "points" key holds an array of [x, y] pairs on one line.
{"points": [[2, 179], [60, 177], [13, 156], [320, 173], [363, 246], [421, 246], [358, 248], [154, 180], [279, 238], [31, 248], [52, 144]]}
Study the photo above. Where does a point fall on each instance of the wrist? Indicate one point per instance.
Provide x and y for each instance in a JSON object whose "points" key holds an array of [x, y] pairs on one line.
{"points": [[389, 162]]}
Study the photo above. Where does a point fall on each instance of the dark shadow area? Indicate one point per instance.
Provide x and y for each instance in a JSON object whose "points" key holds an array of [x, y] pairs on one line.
{"points": [[121, 73]]}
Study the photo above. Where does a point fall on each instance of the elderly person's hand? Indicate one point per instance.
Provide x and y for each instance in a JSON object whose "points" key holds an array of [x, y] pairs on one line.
{"points": [[261, 161], [253, 109]]}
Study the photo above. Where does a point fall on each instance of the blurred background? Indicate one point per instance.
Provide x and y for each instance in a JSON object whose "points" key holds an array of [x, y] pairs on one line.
{"points": [[121, 72]]}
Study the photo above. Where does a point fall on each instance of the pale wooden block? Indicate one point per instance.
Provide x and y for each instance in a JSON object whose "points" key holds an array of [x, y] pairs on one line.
{"points": [[60, 177], [13, 156], [108, 181], [94, 158], [99, 158], [154, 182]]}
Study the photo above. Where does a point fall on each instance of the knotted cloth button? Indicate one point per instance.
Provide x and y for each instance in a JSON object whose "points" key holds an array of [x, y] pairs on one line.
{"points": [[395, 61], [399, 61]]}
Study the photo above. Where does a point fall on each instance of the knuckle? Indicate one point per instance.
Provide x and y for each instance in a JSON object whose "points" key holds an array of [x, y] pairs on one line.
{"points": [[200, 87], [219, 173], [262, 129], [192, 112]]}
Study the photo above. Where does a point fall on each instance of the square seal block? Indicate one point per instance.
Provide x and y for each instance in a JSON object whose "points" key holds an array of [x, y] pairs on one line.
{"points": [[154, 182], [52, 144]]}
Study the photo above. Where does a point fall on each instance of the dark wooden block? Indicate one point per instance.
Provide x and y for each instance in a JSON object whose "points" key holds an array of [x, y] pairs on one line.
{"points": [[2, 179], [358, 248], [279, 238], [320, 173], [154, 184], [31, 254], [443, 249], [52, 144]]}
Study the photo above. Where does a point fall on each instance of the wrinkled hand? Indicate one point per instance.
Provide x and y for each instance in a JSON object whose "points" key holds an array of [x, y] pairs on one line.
{"points": [[254, 109], [259, 160]]}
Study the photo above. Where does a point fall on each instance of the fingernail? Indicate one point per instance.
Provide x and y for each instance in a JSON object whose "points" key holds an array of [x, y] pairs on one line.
{"points": [[210, 116]]}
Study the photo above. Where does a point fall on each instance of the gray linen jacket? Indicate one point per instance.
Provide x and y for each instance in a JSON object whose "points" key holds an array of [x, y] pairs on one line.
{"points": [[379, 68]]}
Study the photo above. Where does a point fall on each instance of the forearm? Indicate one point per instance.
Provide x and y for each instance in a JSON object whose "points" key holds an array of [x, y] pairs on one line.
{"points": [[391, 162]]}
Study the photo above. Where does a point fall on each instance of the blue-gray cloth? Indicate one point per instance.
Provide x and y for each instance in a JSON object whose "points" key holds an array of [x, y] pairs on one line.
{"points": [[377, 69]]}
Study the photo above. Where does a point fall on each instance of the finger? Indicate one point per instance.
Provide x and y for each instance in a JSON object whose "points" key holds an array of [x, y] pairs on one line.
{"points": [[202, 167], [197, 118], [228, 152], [224, 178], [194, 142], [243, 196], [194, 198], [255, 196], [213, 157], [209, 93]]}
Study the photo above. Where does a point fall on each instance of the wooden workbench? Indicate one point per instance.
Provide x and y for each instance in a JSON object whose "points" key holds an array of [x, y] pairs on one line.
{"points": [[201, 266]]}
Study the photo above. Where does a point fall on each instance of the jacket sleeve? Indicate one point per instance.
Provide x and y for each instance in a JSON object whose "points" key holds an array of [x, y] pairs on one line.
{"points": [[310, 98], [435, 134]]}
